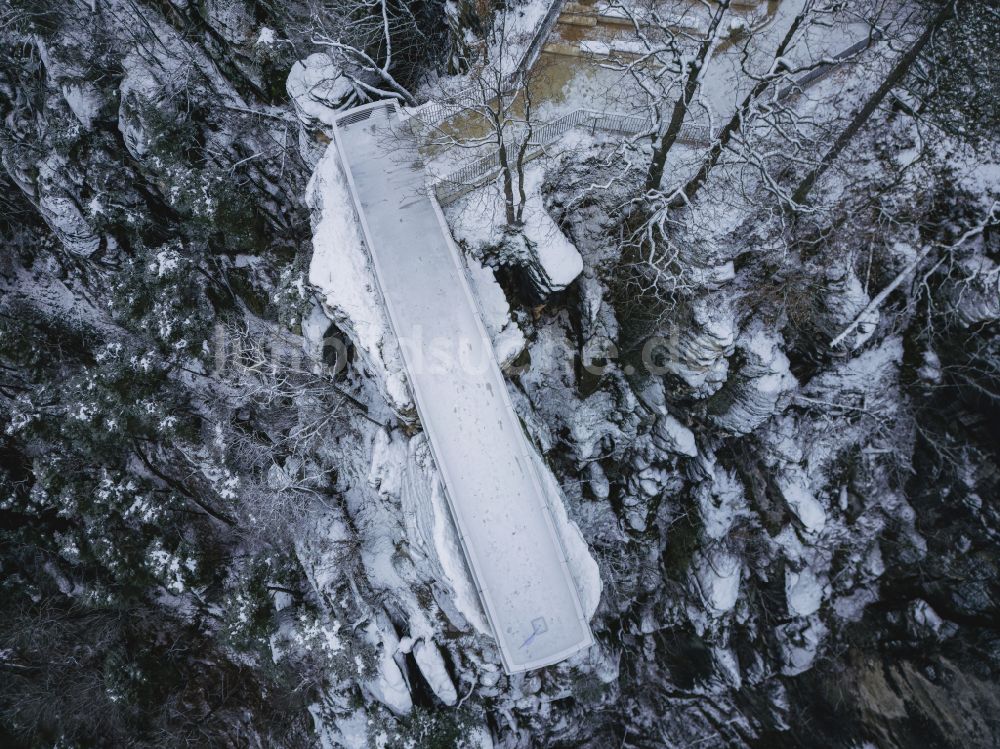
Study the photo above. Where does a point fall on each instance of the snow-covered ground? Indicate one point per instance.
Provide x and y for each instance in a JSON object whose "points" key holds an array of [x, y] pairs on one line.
{"points": [[564, 83], [493, 484], [558, 261], [341, 270]]}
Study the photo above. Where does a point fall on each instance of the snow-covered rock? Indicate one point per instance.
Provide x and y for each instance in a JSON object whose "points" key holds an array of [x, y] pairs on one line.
{"points": [[266, 36], [152, 79], [431, 665], [697, 350], [929, 370], [558, 261], [508, 340], [352, 729], [603, 419], [597, 480], [464, 25], [83, 97], [315, 327], [976, 298], [798, 493], [803, 591], [84, 100], [60, 209], [800, 642], [721, 500], [843, 300], [389, 685], [340, 269], [924, 622], [670, 435], [759, 389], [550, 262], [717, 574], [318, 90], [233, 19]]}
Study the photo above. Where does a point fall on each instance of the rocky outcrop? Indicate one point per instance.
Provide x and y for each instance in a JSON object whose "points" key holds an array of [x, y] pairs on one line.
{"points": [[61, 211], [148, 90], [232, 19], [319, 90], [976, 297], [760, 387], [842, 301], [697, 349], [465, 28], [768, 559]]}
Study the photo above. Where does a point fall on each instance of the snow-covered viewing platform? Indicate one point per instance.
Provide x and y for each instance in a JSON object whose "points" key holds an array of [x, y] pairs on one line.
{"points": [[495, 493]]}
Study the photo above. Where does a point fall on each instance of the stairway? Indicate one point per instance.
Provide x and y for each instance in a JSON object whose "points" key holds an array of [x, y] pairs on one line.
{"points": [[596, 29]]}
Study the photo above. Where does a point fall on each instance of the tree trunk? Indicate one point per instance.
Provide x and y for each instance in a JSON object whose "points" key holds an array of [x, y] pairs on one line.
{"points": [[694, 72], [736, 121], [898, 72], [522, 154], [508, 185]]}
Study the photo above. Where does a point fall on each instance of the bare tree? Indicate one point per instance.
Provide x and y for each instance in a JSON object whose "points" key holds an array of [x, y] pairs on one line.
{"points": [[879, 299], [763, 129], [669, 68], [779, 69], [492, 120], [277, 410], [895, 76], [373, 41]]}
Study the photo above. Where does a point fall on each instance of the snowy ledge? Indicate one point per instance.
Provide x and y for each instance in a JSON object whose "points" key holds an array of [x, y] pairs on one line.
{"points": [[341, 271]]}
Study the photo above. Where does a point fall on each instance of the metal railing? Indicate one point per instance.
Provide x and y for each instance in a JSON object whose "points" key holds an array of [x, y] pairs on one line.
{"points": [[822, 71], [434, 112], [481, 170]]}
